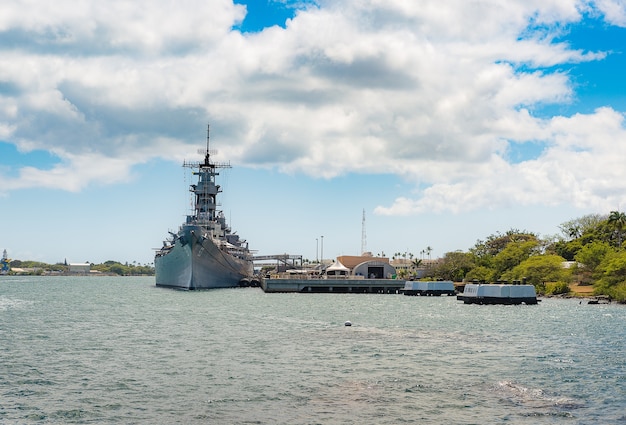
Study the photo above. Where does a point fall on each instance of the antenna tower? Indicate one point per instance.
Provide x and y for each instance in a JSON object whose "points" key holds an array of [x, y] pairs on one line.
{"points": [[363, 236]]}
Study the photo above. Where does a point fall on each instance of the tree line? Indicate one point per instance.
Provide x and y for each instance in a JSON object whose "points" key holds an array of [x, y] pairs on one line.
{"points": [[589, 251], [108, 267]]}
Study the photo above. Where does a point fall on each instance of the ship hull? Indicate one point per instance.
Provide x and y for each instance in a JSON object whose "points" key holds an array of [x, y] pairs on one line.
{"points": [[194, 262]]}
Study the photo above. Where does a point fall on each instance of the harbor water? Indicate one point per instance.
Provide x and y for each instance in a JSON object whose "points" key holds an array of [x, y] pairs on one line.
{"points": [[99, 350]]}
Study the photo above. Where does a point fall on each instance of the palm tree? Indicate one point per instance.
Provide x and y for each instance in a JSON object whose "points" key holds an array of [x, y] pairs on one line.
{"points": [[617, 220], [415, 265], [428, 251]]}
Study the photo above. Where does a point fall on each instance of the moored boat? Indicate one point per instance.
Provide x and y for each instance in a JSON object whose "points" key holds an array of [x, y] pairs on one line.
{"points": [[204, 253]]}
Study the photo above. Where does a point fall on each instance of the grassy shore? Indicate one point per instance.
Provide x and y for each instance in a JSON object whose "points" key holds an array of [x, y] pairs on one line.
{"points": [[581, 290]]}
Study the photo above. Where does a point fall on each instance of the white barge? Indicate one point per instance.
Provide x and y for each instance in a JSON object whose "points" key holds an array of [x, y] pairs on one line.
{"points": [[480, 293], [429, 288]]}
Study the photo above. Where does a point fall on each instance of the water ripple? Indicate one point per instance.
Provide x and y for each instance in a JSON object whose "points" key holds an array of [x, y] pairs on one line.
{"points": [[119, 350]]}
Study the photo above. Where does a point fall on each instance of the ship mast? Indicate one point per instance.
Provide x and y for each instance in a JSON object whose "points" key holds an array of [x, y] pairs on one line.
{"points": [[206, 190], [207, 155], [363, 235]]}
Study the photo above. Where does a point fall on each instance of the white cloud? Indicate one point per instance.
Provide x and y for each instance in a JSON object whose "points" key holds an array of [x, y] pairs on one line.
{"points": [[614, 11], [72, 176], [118, 26], [435, 92], [582, 167]]}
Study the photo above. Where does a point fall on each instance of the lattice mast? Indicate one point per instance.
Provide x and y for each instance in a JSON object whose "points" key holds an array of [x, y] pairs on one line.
{"points": [[363, 235]]}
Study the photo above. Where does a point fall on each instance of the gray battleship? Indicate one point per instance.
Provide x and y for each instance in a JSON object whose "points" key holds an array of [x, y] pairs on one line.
{"points": [[204, 253]]}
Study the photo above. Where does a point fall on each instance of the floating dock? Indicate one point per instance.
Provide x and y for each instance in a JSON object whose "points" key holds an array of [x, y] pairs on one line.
{"points": [[498, 294], [332, 285], [429, 288]]}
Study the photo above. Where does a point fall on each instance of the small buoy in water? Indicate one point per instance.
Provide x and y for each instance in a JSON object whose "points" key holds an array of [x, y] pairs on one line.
{"points": [[348, 323]]}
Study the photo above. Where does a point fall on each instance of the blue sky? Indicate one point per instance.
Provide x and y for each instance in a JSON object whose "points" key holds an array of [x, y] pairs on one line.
{"points": [[445, 121]]}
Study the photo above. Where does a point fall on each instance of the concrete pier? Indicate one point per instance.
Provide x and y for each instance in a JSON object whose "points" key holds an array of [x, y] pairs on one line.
{"points": [[358, 286]]}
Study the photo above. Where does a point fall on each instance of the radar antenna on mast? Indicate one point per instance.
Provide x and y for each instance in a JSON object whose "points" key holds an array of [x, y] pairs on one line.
{"points": [[208, 151], [207, 155]]}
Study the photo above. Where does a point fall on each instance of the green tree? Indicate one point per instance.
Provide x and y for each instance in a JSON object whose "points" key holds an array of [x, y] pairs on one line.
{"points": [[580, 232], [617, 221], [539, 269], [486, 251], [592, 254], [115, 267], [611, 274], [454, 266], [118, 269], [481, 273], [566, 249], [555, 288], [514, 254], [603, 231], [577, 227], [498, 241]]}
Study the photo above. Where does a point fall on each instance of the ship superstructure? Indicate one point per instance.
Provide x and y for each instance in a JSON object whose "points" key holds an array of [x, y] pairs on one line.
{"points": [[204, 253]]}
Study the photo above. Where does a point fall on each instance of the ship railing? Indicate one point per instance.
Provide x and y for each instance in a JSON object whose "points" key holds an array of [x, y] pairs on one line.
{"points": [[312, 274], [344, 277]]}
